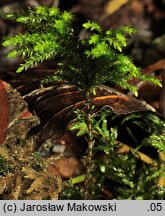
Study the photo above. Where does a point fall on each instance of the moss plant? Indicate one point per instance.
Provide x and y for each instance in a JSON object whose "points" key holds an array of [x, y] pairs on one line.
{"points": [[87, 62], [120, 171], [24, 175]]}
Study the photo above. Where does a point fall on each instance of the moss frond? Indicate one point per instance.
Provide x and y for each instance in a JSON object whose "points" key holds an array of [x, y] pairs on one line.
{"points": [[86, 62]]}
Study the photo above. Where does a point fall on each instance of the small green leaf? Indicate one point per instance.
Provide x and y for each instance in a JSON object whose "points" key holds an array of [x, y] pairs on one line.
{"points": [[54, 11], [105, 149], [12, 54], [135, 93], [22, 19], [6, 42], [67, 16], [94, 39], [77, 179], [102, 168], [119, 48], [92, 26], [20, 69], [81, 132], [60, 25], [10, 16], [41, 10], [94, 92]]}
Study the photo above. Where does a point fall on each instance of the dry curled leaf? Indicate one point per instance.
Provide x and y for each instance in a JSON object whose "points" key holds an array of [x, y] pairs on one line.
{"points": [[55, 105]]}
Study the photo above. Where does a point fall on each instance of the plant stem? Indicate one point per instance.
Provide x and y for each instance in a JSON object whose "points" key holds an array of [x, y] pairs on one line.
{"points": [[90, 146]]}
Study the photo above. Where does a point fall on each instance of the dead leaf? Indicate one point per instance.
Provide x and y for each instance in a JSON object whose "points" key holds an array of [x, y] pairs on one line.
{"points": [[114, 5], [155, 66], [66, 167], [4, 112], [56, 104]]}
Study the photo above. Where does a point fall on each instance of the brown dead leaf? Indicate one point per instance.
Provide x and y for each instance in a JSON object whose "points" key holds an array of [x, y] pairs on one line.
{"points": [[4, 112], [114, 5], [56, 104], [66, 167]]}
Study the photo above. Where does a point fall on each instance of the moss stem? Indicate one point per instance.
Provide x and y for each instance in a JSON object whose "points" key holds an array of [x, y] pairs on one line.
{"points": [[90, 146]]}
